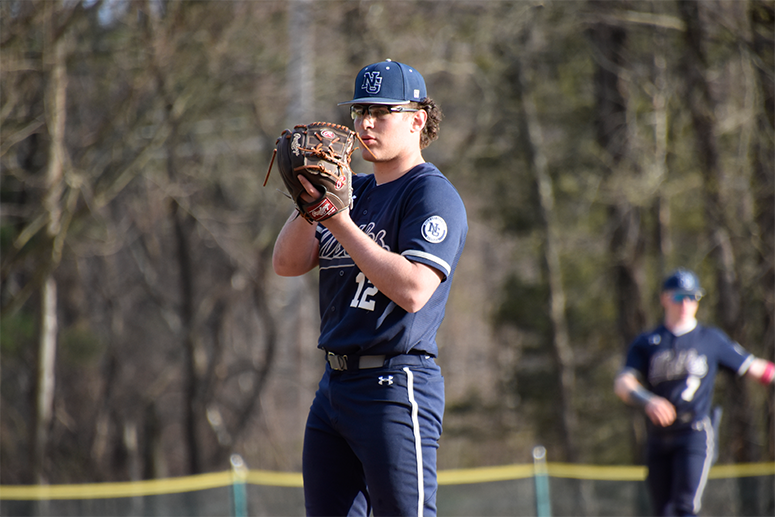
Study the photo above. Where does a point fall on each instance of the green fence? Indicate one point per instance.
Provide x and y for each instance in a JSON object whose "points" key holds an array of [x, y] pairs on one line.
{"points": [[539, 489]]}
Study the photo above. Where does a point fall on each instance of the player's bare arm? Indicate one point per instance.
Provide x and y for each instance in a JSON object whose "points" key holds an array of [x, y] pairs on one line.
{"points": [[296, 249], [409, 284], [762, 371], [659, 410]]}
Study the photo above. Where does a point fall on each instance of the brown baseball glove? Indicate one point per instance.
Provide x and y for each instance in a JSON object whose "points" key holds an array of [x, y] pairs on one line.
{"points": [[321, 152]]}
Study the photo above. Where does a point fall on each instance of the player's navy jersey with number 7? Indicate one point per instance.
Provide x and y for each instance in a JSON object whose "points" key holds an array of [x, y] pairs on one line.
{"points": [[683, 368], [420, 216]]}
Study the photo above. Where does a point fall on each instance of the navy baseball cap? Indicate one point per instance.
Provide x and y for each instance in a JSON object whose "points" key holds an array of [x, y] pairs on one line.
{"points": [[683, 281], [388, 82]]}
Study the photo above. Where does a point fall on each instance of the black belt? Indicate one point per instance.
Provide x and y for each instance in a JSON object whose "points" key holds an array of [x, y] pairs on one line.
{"points": [[342, 362]]}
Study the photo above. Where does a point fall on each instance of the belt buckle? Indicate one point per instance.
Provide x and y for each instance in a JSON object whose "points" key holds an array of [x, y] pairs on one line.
{"points": [[336, 361]]}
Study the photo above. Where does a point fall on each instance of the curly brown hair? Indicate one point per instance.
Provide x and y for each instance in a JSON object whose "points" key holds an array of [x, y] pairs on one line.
{"points": [[431, 130]]}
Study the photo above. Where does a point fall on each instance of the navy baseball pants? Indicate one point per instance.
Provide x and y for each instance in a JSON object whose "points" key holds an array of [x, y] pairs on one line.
{"points": [[371, 440], [678, 465]]}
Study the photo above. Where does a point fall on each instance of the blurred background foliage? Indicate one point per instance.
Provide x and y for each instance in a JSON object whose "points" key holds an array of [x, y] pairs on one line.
{"points": [[597, 145]]}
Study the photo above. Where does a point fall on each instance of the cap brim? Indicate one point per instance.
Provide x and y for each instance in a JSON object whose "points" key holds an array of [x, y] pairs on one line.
{"points": [[698, 292], [374, 100]]}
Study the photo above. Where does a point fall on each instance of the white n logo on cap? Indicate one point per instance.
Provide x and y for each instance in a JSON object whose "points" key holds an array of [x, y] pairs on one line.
{"points": [[372, 82]]}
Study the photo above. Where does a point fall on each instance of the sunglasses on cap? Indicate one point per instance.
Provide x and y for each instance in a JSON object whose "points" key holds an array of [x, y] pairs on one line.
{"points": [[681, 297], [377, 111]]}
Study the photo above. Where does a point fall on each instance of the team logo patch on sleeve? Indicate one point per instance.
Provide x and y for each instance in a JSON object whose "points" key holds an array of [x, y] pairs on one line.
{"points": [[434, 229]]}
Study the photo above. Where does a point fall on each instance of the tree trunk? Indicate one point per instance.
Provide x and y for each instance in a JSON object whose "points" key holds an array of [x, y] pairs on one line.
{"points": [[179, 217], [44, 399], [626, 244], [47, 344], [659, 170], [762, 16], [301, 83], [301, 70], [563, 353], [193, 404], [728, 309], [702, 108]]}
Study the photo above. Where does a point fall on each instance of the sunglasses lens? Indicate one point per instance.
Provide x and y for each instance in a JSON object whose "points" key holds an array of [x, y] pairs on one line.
{"points": [[379, 111], [356, 112], [376, 112]]}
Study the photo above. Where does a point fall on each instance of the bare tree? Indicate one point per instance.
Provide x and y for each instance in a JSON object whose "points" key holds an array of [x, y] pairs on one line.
{"points": [[55, 231], [175, 343], [702, 107], [762, 19], [627, 239], [534, 145], [609, 42]]}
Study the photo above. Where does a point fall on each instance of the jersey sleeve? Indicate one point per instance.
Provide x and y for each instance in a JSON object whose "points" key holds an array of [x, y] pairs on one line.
{"points": [[730, 354], [637, 358], [434, 224]]}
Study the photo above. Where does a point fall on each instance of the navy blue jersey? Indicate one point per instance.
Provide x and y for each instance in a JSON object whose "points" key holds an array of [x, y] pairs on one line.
{"points": [[419, 216], [683, 368]]}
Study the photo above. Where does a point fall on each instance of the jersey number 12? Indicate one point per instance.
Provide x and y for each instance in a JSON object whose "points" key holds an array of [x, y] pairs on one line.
{"points": [[362, 298]]}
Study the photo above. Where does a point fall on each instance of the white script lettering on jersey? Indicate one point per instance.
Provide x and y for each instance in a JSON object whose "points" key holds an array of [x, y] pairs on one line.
{"points": [[666, 366], [333, 252]]}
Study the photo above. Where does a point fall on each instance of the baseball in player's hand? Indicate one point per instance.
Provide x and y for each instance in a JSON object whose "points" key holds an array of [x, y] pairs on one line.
{"points": [[660, 411]]}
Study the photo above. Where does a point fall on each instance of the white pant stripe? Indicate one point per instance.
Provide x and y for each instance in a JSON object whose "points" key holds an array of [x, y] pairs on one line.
{"points": [[710, 448], [417, 442]]}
